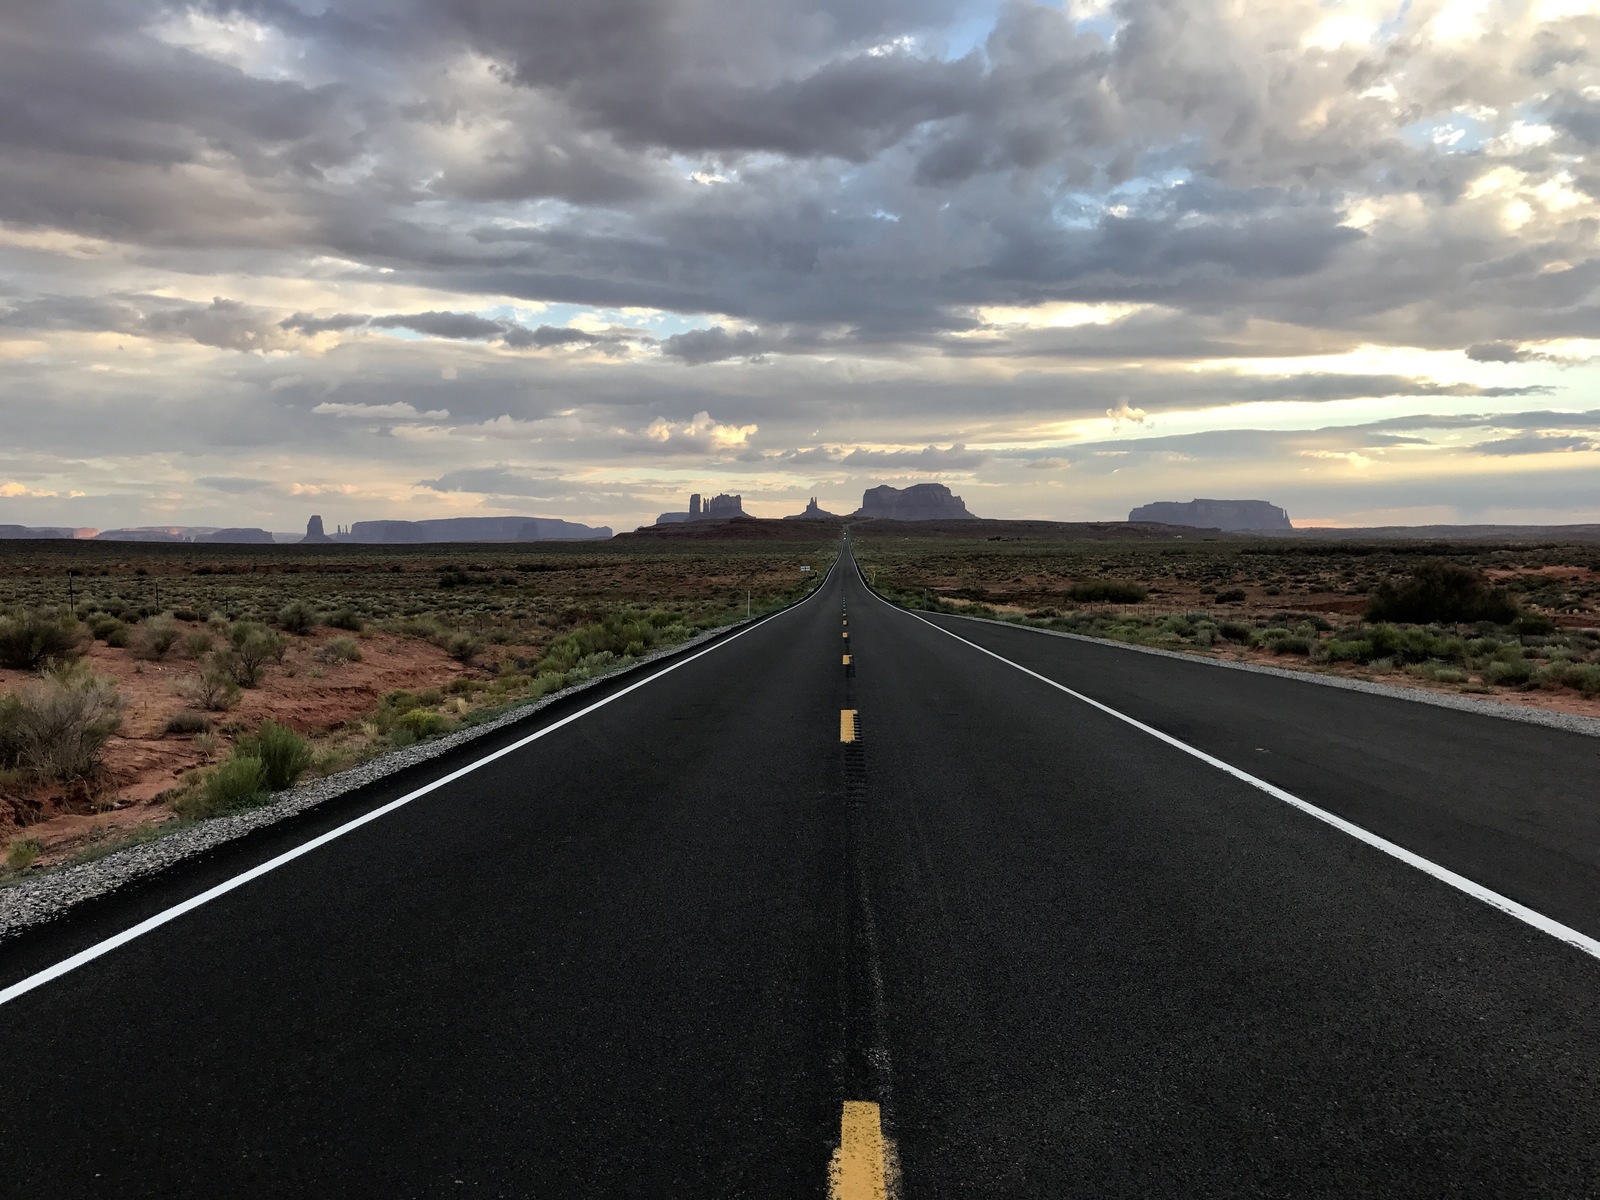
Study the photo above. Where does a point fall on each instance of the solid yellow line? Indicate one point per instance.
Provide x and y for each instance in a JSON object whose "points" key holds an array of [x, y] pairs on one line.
{"points": [[847, 724], [860, 1168]]}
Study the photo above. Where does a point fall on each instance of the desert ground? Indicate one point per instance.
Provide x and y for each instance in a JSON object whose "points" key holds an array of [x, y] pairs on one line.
{"points": [[1299, 604], [368, 647]]}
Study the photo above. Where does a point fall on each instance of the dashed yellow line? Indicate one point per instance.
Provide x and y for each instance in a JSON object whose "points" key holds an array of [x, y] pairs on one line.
{"points": [[847, 724], [847, 660], [863, 1166]]}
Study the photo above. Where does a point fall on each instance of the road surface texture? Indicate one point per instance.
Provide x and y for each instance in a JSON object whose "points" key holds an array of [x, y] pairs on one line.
{"points": [[848, 905]]}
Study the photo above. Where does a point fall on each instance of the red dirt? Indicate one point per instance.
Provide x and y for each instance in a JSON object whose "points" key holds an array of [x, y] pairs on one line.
{"points": [[141, 762]]}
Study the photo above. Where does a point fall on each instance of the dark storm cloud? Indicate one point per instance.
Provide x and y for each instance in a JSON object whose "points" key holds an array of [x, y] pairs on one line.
{"points": [[699, 346], [443, 324]]}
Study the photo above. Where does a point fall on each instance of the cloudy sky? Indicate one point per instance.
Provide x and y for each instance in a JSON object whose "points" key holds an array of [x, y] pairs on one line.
{"points": [[578, 258]]}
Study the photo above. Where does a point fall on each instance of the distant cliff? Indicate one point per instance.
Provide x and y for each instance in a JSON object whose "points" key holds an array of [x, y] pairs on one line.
{"points": [[919, 502], [473, 529], [15, 532], [1230, 515]]}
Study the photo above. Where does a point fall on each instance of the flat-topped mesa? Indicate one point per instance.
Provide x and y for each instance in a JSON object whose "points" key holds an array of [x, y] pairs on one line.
{"points": [[473, 529], [1231, 516], [813, 512], [919, 502]]}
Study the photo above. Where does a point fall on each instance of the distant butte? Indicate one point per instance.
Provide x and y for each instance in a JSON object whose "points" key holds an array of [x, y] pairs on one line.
{"points": [[919, 502], [1231, 516]]}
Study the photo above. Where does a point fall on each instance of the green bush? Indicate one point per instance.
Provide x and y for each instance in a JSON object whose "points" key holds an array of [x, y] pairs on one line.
{"points": [[63, 720], [155, 637], [188, 722], [284, 755], [420, 723], [1231, 596], [213, 689], [1515, 673], [341, 650], [197, 644], [1108, 591], [31, 639], [462, 647], [1235, 631], [239, 782], [252, 646], [1441, 591], [297, 617], [10, 731], [102, 626], [346, 618], [23, 853]]}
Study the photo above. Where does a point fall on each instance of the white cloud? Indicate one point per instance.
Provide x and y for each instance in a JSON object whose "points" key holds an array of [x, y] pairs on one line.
{"points": [[398, 411]]}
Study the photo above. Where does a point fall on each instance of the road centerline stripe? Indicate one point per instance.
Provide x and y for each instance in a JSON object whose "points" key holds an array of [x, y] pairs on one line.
{"points": [[847, 724], [1521, 912], [861, 1168]]}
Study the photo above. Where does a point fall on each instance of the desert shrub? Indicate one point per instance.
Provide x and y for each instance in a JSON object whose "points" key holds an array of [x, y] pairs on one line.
{"points": [[155, 637], [1231, 596], [420, 723], [1235, 631], [1515, 673], [239, 781], [196, 645], [251, 647], [341, 650], [1533, 625], [346, 618], [1108, 591], [10, 730], [297, 617], [64, 720], [283, 753], [1585, 678], [213, 689], [462, 647], [103, 625], [23, 853], [32, 639], [1442, 591], [188, 722]]}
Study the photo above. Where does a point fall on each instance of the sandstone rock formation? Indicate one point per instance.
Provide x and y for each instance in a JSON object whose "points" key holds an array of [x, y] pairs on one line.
{"points": [[251, 537], [716, 508], [1228, 515], [813, 512], [919, 502], [316, 535]]}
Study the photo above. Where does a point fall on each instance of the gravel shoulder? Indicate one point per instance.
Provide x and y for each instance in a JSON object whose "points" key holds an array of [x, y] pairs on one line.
{"points": [[36, 899]]}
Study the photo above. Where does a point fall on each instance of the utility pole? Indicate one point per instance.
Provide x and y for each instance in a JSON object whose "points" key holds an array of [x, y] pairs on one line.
{"points": [[72, 599]]}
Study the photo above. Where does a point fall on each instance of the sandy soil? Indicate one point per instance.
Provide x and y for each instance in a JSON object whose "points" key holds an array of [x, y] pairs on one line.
{"points": [[142, 762]]}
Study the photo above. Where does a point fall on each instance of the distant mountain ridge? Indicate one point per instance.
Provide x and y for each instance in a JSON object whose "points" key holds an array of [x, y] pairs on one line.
{"points": [[472, 529]]}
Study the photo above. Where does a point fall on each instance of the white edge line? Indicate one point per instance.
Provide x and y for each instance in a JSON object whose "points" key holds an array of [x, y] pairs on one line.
{"points": [[1461, 883], [88, 955]]}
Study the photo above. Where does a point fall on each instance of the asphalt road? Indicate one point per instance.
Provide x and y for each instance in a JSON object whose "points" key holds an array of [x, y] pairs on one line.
{"points": [[668, 948]]}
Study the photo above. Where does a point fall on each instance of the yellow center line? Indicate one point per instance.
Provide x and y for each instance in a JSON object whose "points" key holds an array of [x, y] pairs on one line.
{"points": [[863, 1166], [847, 724], [847, 660]]}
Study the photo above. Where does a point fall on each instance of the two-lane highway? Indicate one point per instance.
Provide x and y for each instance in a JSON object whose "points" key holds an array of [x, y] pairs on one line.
{"points": [[846, 894]]}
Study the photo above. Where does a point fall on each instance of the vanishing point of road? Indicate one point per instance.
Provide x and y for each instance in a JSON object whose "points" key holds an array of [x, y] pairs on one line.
{"points": [[859, 902]]}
